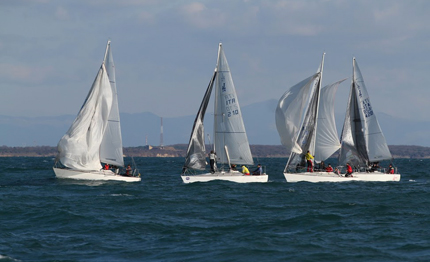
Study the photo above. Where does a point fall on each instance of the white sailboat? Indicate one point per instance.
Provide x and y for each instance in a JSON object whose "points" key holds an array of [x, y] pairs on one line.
{"points": [[363, 142], [95, 135], [316, 131], [230, 140]]}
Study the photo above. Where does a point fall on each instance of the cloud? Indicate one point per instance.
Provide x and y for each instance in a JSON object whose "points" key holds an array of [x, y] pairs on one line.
{"points": [[61, 13], [24, 74], [199, 16]]}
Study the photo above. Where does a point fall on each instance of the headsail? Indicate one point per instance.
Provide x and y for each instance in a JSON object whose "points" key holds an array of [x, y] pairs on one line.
{"points": [[229, 127], [362, 138], [196, 152], [79, 148], [289, 121], [111, 151], [289, 112], [327, 140]]}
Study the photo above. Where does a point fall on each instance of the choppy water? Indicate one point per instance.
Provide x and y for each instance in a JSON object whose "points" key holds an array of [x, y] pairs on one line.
{"points": [[161, 219]]}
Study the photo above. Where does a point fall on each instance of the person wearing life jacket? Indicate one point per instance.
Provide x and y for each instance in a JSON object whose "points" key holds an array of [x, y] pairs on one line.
{"points": [[329, 168], [309, 158], [390, 169], [245, 170], [106, 166], [348, 170]]}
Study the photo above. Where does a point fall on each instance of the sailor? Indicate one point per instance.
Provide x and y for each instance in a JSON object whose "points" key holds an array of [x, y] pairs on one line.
{"points": [[390, 169], [245, 170], [329, 168], [348, 170], [258, 171], [128, 170], [309, 158], [212, 157]]}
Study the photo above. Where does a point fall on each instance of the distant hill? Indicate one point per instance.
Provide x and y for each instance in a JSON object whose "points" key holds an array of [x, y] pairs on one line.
{"points": [[259, 119], [179, 150]]}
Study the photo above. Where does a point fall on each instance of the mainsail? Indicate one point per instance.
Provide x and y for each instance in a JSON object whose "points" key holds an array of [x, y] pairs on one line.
{"points": [[79, 148], [229, 128], [327, 140], [362, 139], [111, 147]]}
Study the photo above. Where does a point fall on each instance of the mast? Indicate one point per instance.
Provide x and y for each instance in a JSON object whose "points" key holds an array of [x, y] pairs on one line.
{"points": [[216, 99], [314, 135]]}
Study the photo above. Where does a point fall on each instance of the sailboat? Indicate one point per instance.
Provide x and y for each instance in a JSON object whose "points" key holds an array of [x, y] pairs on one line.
{"points": [[363, 142], [315, 130], [95, 135], [230, 140]]}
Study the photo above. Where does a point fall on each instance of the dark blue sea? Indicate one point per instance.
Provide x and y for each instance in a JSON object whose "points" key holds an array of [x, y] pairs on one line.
{"points": [[43, 218]]}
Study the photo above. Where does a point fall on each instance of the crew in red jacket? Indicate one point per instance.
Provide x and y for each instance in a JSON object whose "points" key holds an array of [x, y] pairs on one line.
{"points": [[390, 169], [329, 168], [348, 170]]}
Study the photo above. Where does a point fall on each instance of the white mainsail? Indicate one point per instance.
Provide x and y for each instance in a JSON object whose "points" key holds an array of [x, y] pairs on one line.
{"points": [[229, 128], [111, 151], [327, 140], [79, 148], [362, 139]]}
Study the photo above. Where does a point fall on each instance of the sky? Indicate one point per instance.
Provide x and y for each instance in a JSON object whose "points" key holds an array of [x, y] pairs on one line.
{"points": [[165, 51]]}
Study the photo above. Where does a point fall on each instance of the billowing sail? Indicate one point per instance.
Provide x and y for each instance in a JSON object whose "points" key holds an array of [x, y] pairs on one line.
{"points": [[229, 128], [289, 112], [327, 140], [79, 148], [196, 152], [306, 137], [111, 147], [362, 139]]}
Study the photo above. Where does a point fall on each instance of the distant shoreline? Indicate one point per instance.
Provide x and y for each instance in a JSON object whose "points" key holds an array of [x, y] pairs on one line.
{"points": [[179, 150]]}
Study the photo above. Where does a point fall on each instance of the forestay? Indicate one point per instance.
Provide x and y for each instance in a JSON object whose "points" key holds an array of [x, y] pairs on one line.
{"points": [[229, 128], [79, 148], [362, 139], [111, 151]]}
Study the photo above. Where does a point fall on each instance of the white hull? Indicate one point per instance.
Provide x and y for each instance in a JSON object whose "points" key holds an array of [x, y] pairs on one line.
{"points": [[93, 175], [226, 176], [332, 177]]}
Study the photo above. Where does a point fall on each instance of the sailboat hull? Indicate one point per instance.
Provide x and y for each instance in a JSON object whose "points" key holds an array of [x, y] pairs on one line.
{"points": [[226, 176], [93, 175], [332, 177]]}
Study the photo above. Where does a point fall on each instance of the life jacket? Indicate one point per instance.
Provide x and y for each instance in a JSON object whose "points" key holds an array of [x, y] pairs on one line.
{"points": [[308, 156]]}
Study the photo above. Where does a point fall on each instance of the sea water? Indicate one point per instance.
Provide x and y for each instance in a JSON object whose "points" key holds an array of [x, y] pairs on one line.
{"points": [[43, 218]]}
